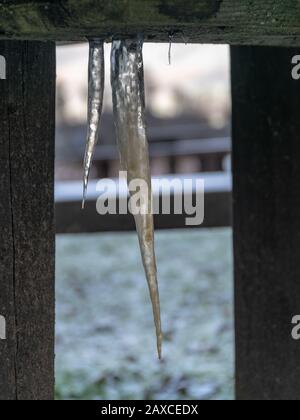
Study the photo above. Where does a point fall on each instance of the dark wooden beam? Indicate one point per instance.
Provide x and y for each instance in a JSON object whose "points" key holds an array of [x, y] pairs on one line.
{"points": [[267, 22], [27, 114], [266, 157]]}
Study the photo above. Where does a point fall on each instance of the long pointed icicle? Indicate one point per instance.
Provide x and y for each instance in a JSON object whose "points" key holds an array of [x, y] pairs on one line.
{"points": [[127, 80], [95, 104]]}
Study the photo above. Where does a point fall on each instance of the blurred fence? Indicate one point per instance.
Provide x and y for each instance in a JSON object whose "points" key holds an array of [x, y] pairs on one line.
{"points": [[177, 148]]}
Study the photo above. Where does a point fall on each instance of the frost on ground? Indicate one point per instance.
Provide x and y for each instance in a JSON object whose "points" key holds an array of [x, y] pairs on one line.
{"points": [[105, 344]]}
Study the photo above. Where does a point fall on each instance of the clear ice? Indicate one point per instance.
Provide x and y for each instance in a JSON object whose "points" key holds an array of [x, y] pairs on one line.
{"points": [[127, 79], [95, 104]]}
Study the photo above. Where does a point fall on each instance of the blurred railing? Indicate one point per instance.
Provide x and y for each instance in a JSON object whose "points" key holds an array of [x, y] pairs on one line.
{"points": [[207, 155], [176, 148], [177, 145]]}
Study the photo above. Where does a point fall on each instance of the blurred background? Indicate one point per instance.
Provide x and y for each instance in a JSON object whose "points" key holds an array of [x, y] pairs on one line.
{"points": [[105, 344]]}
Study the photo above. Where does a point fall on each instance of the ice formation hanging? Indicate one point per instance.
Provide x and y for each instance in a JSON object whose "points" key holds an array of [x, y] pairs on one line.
{"points": [[95, 104], [127, 80]]}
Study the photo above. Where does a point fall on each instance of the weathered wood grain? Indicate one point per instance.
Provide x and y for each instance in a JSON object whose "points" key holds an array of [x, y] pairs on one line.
{"points": [[27, 110], [266, 169], [253, 22]]}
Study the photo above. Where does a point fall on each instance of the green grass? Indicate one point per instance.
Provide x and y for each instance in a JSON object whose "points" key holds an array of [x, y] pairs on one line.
{"points": [[105, 345]]}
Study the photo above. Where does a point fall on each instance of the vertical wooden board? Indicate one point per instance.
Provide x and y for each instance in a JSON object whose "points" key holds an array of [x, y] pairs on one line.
{"points": [[7, 348], [27, 245], [266, 169]]}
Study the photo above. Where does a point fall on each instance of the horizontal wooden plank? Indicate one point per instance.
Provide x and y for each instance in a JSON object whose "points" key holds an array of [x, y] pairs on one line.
{"points": [[71, 219], [253, 22], [199, 147], [193, 147]]}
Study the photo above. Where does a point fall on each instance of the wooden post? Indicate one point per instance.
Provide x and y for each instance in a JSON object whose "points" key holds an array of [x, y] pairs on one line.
{"points": [[266, 167], [27, 117]]}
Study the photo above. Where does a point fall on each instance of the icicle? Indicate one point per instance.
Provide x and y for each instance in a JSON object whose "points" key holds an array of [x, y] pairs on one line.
{"points": [[170, 50], [184, 38], [127, 80], [95, 103]]}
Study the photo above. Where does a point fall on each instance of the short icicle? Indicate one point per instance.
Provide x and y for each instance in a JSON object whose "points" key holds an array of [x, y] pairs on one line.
{"points": [[127, 78], [170, 50], [95, 104]]}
